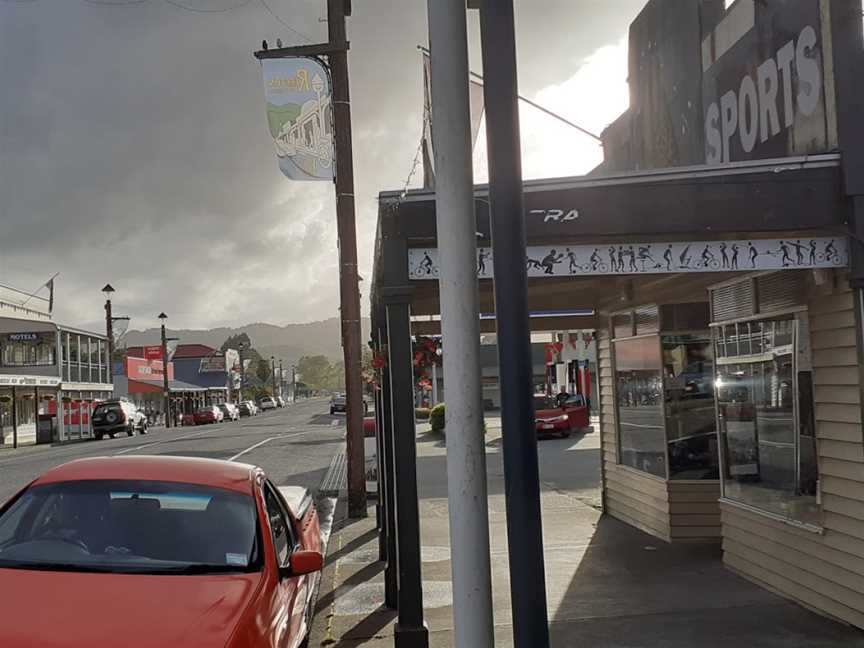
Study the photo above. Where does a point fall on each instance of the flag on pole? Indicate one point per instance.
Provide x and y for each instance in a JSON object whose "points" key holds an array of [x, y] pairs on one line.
{"points": [[50, 287], [477, 107]]}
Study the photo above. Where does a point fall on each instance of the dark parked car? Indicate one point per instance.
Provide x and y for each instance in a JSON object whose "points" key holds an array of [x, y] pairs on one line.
{"points": [[113, 416], [247, 408]]}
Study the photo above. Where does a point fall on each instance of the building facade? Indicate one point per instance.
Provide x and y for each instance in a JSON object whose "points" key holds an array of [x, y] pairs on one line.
{"points": [[719, 249], [51, 377]]}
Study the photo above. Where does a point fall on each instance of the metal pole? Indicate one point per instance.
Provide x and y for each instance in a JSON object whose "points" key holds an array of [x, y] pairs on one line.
{"points": [[294, 383], [165, 390], [521, 472], [349, 286], [109, 330], [273, 374], [281, 379], [460, 325]]}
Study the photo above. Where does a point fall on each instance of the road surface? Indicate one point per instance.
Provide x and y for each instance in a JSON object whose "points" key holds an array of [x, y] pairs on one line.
{"points": [[293, 445]]}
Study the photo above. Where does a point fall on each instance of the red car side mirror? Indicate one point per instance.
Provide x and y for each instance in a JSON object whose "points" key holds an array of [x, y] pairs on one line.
{"points": [[305, 562]]}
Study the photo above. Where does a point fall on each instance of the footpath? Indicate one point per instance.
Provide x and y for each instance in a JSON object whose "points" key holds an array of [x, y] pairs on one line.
{"points": [[608, 584]]}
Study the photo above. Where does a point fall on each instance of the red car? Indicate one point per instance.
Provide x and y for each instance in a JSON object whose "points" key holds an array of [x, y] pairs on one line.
{"points": [[551, 418], [152, 552], [209, 414]]}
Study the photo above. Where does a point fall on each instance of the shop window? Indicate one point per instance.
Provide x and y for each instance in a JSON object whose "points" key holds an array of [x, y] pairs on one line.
{"points": [[688, 384], [765, 414], [639, 392]]}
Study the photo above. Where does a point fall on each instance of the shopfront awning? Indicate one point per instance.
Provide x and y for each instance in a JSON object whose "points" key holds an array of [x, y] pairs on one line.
{"points": [[156, 387]]}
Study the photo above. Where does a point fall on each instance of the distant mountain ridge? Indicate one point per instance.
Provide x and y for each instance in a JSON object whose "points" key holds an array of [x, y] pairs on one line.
{"points": [[288, 343]]}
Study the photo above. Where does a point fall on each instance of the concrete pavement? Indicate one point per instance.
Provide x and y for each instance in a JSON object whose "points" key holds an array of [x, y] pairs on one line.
{"points": [[608, 585]]}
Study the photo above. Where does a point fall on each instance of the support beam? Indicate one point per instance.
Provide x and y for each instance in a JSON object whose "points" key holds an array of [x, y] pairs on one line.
{"points": [[410, 631], [468, 506], [387, 471], [521, 470]]}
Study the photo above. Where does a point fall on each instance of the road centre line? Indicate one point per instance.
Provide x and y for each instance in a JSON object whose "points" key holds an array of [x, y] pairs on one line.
{"points": [[267, 440], [148, 445]]}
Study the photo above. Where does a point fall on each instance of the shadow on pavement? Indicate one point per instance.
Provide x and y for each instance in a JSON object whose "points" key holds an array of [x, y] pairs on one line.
{"points": [[631, 589], [326, 419]]}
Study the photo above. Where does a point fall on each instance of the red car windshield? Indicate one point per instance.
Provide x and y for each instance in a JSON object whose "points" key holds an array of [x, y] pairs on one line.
{"points": [[130, 527], [544, 403]]}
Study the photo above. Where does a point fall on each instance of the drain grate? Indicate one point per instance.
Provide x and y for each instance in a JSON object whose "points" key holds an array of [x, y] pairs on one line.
{"points": [[334, 480]]}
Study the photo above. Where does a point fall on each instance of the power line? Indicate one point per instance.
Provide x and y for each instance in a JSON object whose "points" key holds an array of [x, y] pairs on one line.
{"points": [[283, 23]]}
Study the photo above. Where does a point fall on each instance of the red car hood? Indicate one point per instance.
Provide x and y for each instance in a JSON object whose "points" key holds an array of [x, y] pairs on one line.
{"points": [[548, 413], [78, 610]]}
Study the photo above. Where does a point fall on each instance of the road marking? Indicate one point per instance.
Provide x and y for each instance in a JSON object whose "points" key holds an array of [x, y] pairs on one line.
{"points": [[261, 443], [147, 445]]}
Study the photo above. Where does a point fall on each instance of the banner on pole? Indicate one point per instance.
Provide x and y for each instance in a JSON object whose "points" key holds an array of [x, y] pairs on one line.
{"points": [[300, 116]]}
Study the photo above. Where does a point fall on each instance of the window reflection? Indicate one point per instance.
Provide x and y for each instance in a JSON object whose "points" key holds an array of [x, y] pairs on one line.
{"points": [[766, 463], [688, 369], [640, 406]]}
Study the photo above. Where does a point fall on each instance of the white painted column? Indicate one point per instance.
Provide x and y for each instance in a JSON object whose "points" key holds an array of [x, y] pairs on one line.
{"points": [[460, 324]]}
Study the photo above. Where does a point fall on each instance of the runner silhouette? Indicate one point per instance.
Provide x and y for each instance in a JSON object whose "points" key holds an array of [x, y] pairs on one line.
{"points": [[621, 254], [613, 261], [667, 256], [754, 254], [735, 249], [812, 252], [632, 256], [573, 265]]}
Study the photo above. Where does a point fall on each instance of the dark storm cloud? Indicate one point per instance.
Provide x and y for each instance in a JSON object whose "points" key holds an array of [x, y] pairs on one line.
{"points": [[134, 149]]}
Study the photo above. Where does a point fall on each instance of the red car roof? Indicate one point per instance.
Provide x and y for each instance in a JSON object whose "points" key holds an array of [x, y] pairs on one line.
{"points": [[185, 470]]}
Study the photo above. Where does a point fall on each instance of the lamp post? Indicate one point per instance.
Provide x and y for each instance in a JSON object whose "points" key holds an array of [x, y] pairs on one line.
{"points": [[240, 347], [166, 394], [109, 329], [281, 379], [273, 374], [294, 383]]}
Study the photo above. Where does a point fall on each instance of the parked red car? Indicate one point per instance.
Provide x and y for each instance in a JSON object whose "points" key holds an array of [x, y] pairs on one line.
{"points": [[209, 414], [551, 418], [155, 551]]}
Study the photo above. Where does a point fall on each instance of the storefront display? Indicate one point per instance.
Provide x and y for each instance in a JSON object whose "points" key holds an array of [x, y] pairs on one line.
{"points": [[768, 443]]}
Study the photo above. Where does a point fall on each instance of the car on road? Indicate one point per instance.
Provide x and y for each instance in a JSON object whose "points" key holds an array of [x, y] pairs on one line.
{"points": [[113, 416], [208, 414], [267, 403], [338, 403], [247, 408], [564, 419], [158, 551], [230, 411]]}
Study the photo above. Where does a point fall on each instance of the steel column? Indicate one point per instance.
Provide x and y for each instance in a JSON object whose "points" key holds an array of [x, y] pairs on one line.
{"points": [[521, 470], [410, 631]]}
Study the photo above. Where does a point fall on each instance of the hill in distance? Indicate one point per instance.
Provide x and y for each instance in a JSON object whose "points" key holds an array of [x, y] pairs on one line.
{"points": [[288, 343]]}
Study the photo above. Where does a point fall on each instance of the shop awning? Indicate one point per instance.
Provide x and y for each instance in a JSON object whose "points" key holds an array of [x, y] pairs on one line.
{"points": [[156, 387]]}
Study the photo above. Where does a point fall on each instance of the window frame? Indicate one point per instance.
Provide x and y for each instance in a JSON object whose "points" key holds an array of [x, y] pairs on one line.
{"points": [[270, 490]]}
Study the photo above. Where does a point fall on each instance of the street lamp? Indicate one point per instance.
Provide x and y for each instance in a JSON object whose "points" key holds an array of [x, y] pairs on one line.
{"points": [[165, 391], [273, 374], [240, 347], [281, 379], [294, 383], [109, 328]]}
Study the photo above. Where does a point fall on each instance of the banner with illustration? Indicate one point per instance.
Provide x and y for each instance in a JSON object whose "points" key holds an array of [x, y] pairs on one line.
{"points": [[656, 258], [300, 116]]}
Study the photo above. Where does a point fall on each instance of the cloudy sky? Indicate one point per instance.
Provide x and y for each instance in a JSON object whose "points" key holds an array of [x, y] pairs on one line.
{"points": [[134, 149]]}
